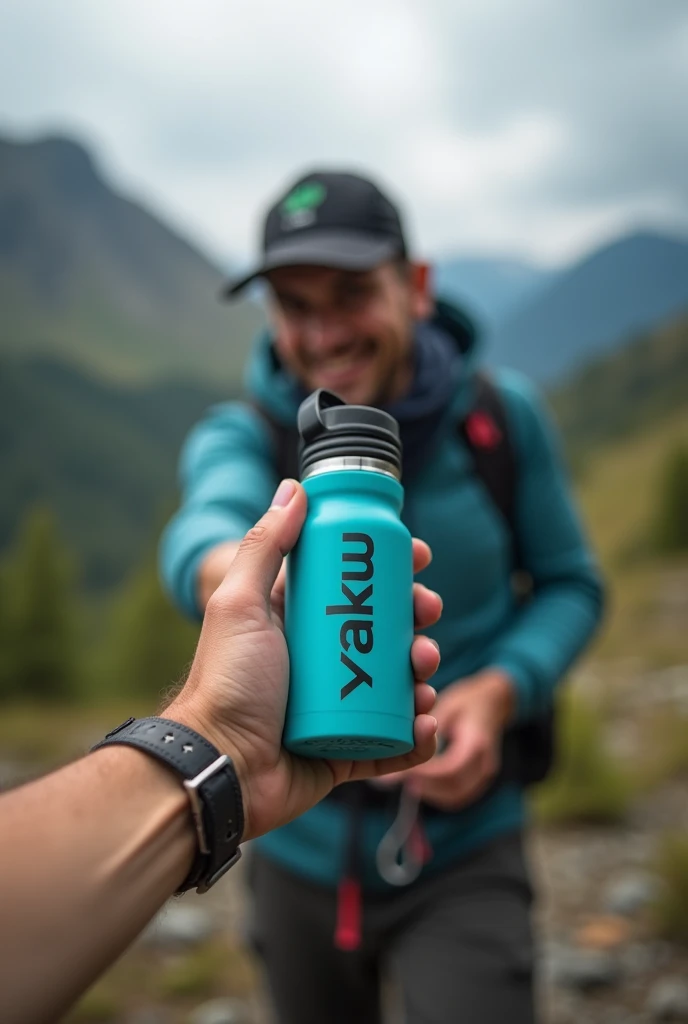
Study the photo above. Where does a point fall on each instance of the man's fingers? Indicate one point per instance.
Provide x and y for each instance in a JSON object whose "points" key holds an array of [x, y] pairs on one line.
{"points": [[425, 658], [427, 606], [254, 570], [450, 762], [422, 555], [472, 781], [425, 697], [424, 731]]}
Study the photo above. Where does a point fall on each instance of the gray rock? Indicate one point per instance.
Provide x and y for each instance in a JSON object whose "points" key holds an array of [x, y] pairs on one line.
{"points": [[582, 969], [564, 1008], [630, 893], [221, 1011], [148, 1015], [177, 926], [644, 957], [668, 1000]]}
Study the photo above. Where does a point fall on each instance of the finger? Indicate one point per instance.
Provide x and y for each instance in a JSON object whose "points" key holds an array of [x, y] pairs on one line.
{"points": [[424, 732], [278, 593], [451, 762], [422, 555], [391, 781], [425, 658], [472, 781], [425, 697], [254, 570], [281, 581], [427, 606]]}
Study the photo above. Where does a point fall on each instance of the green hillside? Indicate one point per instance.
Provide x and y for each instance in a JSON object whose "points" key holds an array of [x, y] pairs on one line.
{"points": [[90, 276], [627, 391], [103, 457], [621, 417], [619, 497]]}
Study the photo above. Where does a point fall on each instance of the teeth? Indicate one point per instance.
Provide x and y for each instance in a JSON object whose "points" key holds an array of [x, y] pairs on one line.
{"points": [[339, 363]]}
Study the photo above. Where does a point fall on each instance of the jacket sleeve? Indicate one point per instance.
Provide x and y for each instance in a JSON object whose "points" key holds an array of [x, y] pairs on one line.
{"points": [[552, 629], [227, 479]]}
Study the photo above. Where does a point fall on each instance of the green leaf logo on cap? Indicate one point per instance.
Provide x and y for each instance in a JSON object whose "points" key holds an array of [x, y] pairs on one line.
{"points": [[305, 197]]}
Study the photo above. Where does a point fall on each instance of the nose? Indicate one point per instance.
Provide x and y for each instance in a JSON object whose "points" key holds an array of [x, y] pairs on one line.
{"points": [[324, 332]]}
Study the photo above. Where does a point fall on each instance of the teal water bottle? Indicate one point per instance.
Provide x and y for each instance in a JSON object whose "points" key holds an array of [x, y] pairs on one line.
{"points": [[349, 599]]}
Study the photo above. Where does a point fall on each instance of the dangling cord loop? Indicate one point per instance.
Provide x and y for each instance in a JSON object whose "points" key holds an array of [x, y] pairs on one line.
{"points": [[400, 860]]}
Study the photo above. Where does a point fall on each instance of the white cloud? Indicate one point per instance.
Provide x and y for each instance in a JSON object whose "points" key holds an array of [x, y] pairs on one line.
{"points": [[535, 126]]}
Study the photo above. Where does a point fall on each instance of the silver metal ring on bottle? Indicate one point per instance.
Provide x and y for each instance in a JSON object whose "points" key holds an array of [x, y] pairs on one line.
{"points": [[339, 462]]}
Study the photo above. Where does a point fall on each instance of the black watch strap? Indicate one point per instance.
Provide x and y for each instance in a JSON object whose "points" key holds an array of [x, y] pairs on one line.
{"points": [[211, 782]]}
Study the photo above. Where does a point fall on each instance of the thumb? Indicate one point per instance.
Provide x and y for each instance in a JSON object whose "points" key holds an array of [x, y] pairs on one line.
{"points": [[257, 563]]}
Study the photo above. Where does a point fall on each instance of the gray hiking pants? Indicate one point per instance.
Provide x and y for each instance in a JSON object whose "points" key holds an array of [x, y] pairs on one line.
{"points": [[457, 946]]}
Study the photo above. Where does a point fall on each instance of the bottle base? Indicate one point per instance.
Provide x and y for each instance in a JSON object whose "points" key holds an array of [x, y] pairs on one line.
{"points": [[383, 736]]}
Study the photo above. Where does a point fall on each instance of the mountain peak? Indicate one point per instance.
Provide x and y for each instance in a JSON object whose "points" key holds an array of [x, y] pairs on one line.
{"points": [[616, 293], [86, 272]]}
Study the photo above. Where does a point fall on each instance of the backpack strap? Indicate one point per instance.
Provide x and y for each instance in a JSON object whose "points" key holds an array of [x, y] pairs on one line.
{"points": [[527, 748], [285, 442], [485, 432]]}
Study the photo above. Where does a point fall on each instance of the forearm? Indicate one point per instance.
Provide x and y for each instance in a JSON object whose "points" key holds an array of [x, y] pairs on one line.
{"points": [[89, 854], [547, 636]]}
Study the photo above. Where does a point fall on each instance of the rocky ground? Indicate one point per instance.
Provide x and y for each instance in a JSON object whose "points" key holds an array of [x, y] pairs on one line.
{"points": [[600, 961]]}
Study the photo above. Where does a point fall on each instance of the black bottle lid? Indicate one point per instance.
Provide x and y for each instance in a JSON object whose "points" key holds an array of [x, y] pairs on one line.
{"points": [[331, 429]]}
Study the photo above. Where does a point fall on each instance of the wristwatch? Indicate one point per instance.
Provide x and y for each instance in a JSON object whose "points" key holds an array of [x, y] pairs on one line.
{"points": [[211, 783]]}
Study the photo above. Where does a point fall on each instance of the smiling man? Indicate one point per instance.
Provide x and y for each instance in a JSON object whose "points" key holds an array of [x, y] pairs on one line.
{"points": [[335, 908]]}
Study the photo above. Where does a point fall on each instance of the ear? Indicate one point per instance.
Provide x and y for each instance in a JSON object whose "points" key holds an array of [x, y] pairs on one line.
{"points": [[422, 300]]}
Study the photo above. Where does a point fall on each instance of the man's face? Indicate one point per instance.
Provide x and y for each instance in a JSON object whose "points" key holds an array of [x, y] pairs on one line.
{"points": [[348, 331]]}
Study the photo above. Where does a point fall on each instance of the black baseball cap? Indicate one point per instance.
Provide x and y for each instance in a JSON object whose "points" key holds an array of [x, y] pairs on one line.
{"points": [[328, 219]]}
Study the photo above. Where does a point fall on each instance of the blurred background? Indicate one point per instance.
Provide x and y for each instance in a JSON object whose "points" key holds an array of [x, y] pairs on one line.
{"points": [[540, 152]]}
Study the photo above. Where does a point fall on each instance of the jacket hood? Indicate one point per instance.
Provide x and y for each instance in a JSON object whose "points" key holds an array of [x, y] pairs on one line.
{"points": [[274, 388]]}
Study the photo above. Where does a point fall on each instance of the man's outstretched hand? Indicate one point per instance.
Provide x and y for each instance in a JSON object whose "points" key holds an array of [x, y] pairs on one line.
{"points": [[236, 693]]}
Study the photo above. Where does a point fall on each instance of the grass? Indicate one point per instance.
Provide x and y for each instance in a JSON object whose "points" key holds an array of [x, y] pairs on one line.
{"points": [[665, 746], [49, 735], [144, 977], [197, 974], [618, 495], [587, 785], [671, 908]]}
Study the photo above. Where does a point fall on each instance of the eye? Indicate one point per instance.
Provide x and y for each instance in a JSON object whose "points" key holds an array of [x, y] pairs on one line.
{"points": [[291, 305], [355, 295]]}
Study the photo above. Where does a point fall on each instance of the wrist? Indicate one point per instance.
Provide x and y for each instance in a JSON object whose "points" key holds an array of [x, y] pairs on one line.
{"points": [[498, 692], [186, 712], [211, 783]]}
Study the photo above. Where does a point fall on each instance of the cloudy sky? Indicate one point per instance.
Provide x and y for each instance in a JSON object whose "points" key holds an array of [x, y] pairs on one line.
{"points": [[529, 127]]}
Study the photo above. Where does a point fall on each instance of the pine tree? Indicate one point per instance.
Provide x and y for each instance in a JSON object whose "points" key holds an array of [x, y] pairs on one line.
{"points": [[671, 524], [7, 683], [41, 645], [150, 645]]}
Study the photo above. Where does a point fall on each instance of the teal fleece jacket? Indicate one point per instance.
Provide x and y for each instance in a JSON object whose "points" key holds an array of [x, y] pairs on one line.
{"points": [[228, 478]]}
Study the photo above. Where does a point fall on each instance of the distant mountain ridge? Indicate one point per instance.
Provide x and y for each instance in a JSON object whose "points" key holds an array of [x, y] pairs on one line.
{"points": [[89, 275], [617, 293], [92, 277], [490, 288]]}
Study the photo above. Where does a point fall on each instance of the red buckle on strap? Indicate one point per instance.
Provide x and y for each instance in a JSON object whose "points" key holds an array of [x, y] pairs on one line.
{"points": [[482, 431], [347, 936]]}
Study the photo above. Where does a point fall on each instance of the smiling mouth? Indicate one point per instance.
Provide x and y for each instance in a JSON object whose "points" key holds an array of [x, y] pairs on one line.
{"points": [[344, 365]]}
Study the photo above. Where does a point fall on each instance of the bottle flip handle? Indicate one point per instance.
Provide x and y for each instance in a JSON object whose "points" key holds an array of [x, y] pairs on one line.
{"points": [[310, 420]]}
